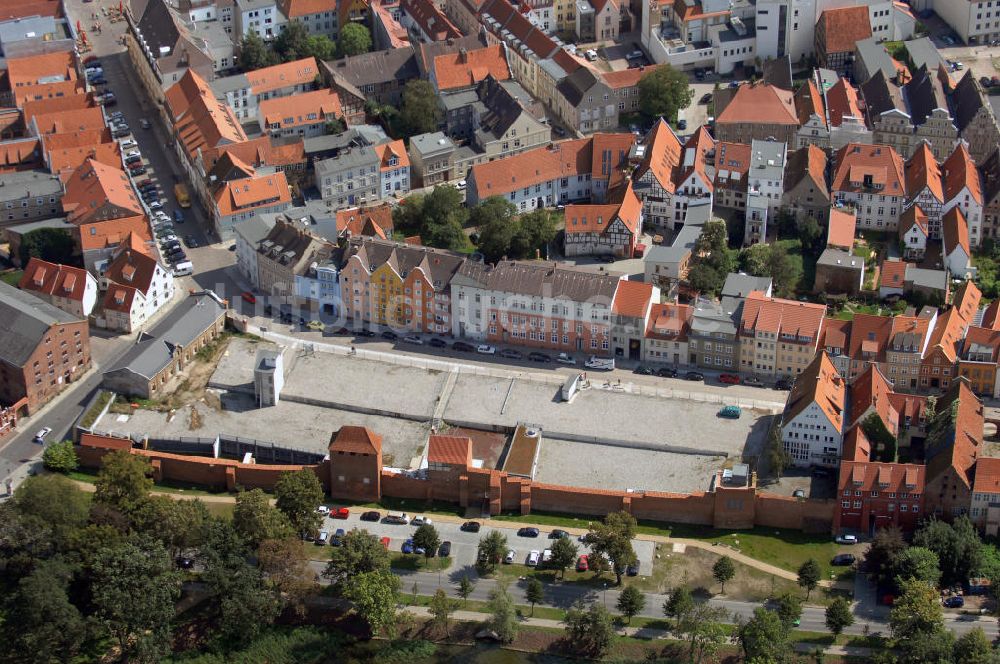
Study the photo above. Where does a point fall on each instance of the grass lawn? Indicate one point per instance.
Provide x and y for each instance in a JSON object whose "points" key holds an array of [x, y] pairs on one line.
{"points": [[89, 476], [409, 506], [224, 510], [413, 562], [803, 266], [13, 277]]}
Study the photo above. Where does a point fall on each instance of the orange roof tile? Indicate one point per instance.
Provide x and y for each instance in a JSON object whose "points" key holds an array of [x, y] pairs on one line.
{"points": [[912, 216], [844, 27], [44, 106], [961, 443], [669, 321], [760, 104], [955, 231], [922, 171], [880, 163], [893, 273], [40, 69], [96, 192], [892, 478], [257, 152], [663, 155], [371, 221], [987, 475], [120, 298], [947, 335], [842, 102], [869, 337], [809, 102], [560, 159], [60, 122], [980, 339], [132, 268], [54, 279], [840, 231], [799, 320], [697, 153], [27, 93], [627, 78], [966, 300], [200, 120], [856, 446], [834, 334], [17, 9], [356, 440], [959, 172], [431, 19], [450, 450], [287, 74], [819, 383], [590, 218], [689, 12], [991, 316], [632, 299], [20, 154], [249, 193], [465, 69], [300, 110], [111, 232], [299, 8], [386, 151], [871, 390]]}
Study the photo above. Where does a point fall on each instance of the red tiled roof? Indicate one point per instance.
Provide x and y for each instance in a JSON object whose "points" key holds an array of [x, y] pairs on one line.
{"points": [[111, 232], [835, 333], [589, 218], [387, 151], [689, 12], [801, 320], [54, 279], [979, 338], [295, 110], [840, 232], [819, 383], [356, 440], [760, 104], [663, 155], [285, 75], [200, 120], [120, 298], [966, 300], [955, 231], [959, 172], [132, 268], [947, 335], [73, 120], [35, 70], [842, 101], [871, 390], [880, 162], [432, 21], [809, 102], [856, 446], [922, 171], [632, 299], [987, 475], [869, 337], [912, 216], [98, 189], [466, 68], [451, 450], [372, 221], [669, 321], [844, 27], [19, 154], [888, 477], [893, 273], [249, 193], [627, 78], [962, 442]]}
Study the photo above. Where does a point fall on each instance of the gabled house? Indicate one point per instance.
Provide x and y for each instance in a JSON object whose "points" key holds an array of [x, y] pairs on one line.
{"points": [[71, 289], [758, 111], [870, 178], [913, 233], [974, 117], [812, 425], [810, 107], [908, 341], [924, 187], [953, 446], [135, 287], [303, 115], [778, 337], [938, 365], [610, 229], [956, 252], [840, 229], [238, 200], [667, 334], [837, 31], [653, 178], [631, 312], [807, 193], [963, 189], [846, 117], [978, 361]]}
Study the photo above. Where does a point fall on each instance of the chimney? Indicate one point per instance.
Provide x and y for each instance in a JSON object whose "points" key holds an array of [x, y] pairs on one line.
{"points": [[463, 56]]}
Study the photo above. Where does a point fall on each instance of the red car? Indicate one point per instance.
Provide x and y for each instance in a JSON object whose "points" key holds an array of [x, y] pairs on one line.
{"points": [[248, 297], [385, 542], [583, 564], [341, 513], [729, 379]]}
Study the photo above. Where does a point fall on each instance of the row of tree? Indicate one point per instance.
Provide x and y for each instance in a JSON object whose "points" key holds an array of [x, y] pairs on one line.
{"points": [[295, 43]]}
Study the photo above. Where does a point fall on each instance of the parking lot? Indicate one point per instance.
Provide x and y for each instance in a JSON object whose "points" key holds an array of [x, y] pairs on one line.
{"points": [[464, 544]]}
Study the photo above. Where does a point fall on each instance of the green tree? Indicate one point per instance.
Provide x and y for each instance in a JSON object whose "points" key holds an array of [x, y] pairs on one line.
{"points": [[359, 552], [776, 455], [957, 546], [916, 611], [534, 592], [916, 563], [564, 553], [631, 602], [254, 53], [613, 538], [703, 278], [882, 440], [663, 92], [123, 482], [491, 551], [465, 588], [50, 503], [789, 609], [812, 235], [702, 627], [886, 545], [375, 595], [722, 571], [179, 524], [133, 590], [321, 47], [839, 616], [419, 112], [441, 607], [974, 648], [50, 244], [503, 615], [245, 603], [291, 43], [780, 268], [809, 576], [679, 604], [438, 218], [754, 259], [426, 537], [256, 519], [495, 222], [42, 624], [590, 631], [298, 495], [60, 457], [763, 638], [934, 647], [285, 567], [534, 231], [354, 39]]}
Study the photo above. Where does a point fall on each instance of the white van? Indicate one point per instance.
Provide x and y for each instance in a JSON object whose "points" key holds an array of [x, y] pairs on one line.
{"points": [[322, 538], [181, 269], [546, 556], [533, 558]]}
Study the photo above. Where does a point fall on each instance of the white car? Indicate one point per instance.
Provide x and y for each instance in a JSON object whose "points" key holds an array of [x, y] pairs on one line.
{"points": [[533, 558], [420, 520], [461, 185], [323, 509], [129, 143], [565, 358], [155, 205], [486, 349], [413, 339], [42, 433], [133, 153], [509, 558], [846, 539]]}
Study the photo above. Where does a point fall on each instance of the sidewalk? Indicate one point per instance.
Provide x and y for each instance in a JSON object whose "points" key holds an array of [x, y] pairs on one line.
{"points": [[636, 632]]}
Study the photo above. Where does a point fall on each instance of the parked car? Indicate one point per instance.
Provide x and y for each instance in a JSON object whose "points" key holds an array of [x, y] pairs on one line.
{"points": [[471, 526], [462, 347], [705, 98], [533, 558], [137, 170], [179, 257], [535, 356], [413, 339], [509, 558], [511, 354], [954, 602], [798, 493], [390, 335], [583, 563], [338, 537], [420, 520], [128, 143], [846, 539], [694, 375], [341, 513], [558, 534], [179, 217], [371, 515], [191, 241], [486, 349], [783, 384], [528, 532], [632, 570], [249, 297], [843, 560], [730, 412], [666, 372], [729, 379], [643, 370], [753, 381], [437, 343], [565, 358], [42, 433], [385, 543], [682, 124], [322, 538], [407, 546], [445, 550]]}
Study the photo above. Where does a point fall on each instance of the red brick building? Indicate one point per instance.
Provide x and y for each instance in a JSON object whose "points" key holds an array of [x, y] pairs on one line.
{"points": [[355, 464], [42, 349], [875, 495]]}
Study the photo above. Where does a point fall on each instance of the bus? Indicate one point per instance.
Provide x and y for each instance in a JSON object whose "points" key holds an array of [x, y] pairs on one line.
{"points": [[181, 194]]}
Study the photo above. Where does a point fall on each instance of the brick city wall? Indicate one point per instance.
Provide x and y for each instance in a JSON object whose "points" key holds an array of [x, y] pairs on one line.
{"points": [[725, 507]]}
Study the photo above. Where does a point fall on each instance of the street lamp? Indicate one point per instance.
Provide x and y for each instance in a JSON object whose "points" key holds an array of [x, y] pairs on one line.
{"points": [[605, 594]]}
